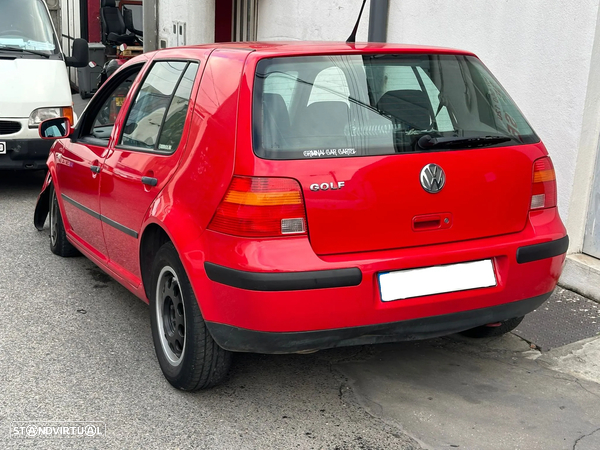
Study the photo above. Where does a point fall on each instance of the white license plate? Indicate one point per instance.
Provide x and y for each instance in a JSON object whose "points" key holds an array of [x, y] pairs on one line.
{"points": [[410, 283], [2, 148]]}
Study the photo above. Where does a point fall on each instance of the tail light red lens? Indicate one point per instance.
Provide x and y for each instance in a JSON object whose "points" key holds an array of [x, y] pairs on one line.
{"points": [[544, 184], [261, 207]]}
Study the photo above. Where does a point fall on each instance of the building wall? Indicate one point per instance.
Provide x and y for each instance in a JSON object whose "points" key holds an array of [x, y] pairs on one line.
{"points": [[314, 20], [199, 16]]}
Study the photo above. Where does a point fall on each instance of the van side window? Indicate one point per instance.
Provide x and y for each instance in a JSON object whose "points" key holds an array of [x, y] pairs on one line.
{"points": [[151, 103]]}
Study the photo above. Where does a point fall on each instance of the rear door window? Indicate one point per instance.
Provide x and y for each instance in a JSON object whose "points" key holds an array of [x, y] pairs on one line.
{"points": [[361, 105], [172, 129], [157, 116]]}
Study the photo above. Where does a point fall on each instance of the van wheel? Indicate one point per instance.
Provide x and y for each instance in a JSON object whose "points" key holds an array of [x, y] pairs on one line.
{"points": [[493, 331], [188, 356], [59, 245]]}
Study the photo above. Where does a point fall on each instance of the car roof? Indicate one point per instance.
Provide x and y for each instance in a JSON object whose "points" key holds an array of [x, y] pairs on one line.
{"points": [[289, 48]]}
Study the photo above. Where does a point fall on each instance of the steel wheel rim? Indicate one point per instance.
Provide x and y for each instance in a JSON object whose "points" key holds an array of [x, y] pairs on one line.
{"points": [[170, 316], [54, 220]]}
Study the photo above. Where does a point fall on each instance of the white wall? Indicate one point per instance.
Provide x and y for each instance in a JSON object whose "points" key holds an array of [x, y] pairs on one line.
{"points": [[199, 15], [313, 20]]}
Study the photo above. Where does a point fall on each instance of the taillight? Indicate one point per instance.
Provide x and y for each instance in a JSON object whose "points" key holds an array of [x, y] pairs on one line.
{"points": [[544, 184], [261, 207]]}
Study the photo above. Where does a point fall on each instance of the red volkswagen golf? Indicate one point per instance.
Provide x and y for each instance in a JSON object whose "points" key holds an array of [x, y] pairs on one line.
{"points": [[291, 197]]}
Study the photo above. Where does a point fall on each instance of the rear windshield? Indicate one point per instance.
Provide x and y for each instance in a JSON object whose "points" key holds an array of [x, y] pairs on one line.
{"points": [[360, 105]]}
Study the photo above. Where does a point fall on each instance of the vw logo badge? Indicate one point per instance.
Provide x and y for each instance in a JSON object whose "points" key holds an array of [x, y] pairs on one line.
{"points": [[433, 178]]}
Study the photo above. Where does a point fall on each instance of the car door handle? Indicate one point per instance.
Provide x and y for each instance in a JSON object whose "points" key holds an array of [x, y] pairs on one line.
{"points": [[95, 169], [150, 181]]}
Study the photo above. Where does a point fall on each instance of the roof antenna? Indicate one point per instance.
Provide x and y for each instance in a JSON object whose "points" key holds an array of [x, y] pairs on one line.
{"points": [[352, 38]]}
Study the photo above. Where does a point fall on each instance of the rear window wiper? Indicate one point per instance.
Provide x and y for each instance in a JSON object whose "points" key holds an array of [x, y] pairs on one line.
{"points": [[428, 142], [22, 50]]}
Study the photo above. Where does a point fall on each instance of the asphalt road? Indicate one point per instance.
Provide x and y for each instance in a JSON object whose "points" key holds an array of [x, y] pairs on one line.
{"points": [[76, 346]]}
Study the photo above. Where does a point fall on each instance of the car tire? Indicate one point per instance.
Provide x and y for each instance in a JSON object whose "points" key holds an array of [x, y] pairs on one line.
{"points": [[494, 331], [59, 245], [188, 355]]}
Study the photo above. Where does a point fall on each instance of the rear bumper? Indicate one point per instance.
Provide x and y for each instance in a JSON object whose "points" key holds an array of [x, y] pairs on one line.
{"points": [[25, 153], [244, 340], [282, 286], [336, 278]]}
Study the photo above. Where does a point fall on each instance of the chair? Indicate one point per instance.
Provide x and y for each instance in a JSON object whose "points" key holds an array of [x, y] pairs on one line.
{"points": [[276, 122], [327, 123], [114, 30], [409, 106], [128, 19]]}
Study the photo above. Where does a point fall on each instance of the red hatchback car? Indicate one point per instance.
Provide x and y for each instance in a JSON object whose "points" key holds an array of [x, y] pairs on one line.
{"points": [[291, 197]]}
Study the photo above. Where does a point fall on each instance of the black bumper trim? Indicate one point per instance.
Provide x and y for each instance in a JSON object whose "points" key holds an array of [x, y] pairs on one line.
{"points": [[244, 340], [283, 281], [543, 250], [25, 153]]}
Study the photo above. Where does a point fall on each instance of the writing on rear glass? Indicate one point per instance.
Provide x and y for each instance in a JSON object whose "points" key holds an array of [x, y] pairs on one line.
{"points": [[324, 152]]}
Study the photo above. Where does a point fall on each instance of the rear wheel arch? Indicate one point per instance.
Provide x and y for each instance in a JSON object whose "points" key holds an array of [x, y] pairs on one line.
{"points": [[153, 238]]}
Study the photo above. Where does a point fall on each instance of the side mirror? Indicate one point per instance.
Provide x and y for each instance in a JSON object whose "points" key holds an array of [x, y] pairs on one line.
{"points": [[55, 128], [81, 56]]}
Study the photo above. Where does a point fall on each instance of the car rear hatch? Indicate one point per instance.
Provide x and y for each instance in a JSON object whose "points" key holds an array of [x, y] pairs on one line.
{"points": [[378, 203], [397, 150]]}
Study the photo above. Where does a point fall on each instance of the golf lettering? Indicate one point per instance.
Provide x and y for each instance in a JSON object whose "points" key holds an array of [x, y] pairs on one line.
{"points": [[327, 186]]}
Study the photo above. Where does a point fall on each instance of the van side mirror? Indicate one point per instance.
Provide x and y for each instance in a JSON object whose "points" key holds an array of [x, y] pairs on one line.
{"points": [[81, 56], [55, 128]]}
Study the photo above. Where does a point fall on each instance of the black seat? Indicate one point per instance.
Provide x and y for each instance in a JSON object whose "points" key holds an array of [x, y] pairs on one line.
{"points": [[409, 107], [114, 30], [276, 122], [128, 19], [328, 123]]}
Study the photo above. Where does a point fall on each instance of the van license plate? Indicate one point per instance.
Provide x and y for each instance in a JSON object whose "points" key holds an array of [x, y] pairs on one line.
{"points": [[410, 283], [2, 148]]}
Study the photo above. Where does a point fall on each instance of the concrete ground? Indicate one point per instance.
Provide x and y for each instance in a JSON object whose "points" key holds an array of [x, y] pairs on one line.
{"points": [[488, 394]]}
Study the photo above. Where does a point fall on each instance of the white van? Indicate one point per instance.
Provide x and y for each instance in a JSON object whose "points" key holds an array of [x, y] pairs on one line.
{"points": [[34, 84]]}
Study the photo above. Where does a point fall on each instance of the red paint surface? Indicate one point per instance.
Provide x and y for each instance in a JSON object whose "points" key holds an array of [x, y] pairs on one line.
{"points": [[223, 20], [94, 25], [368, 224]]}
